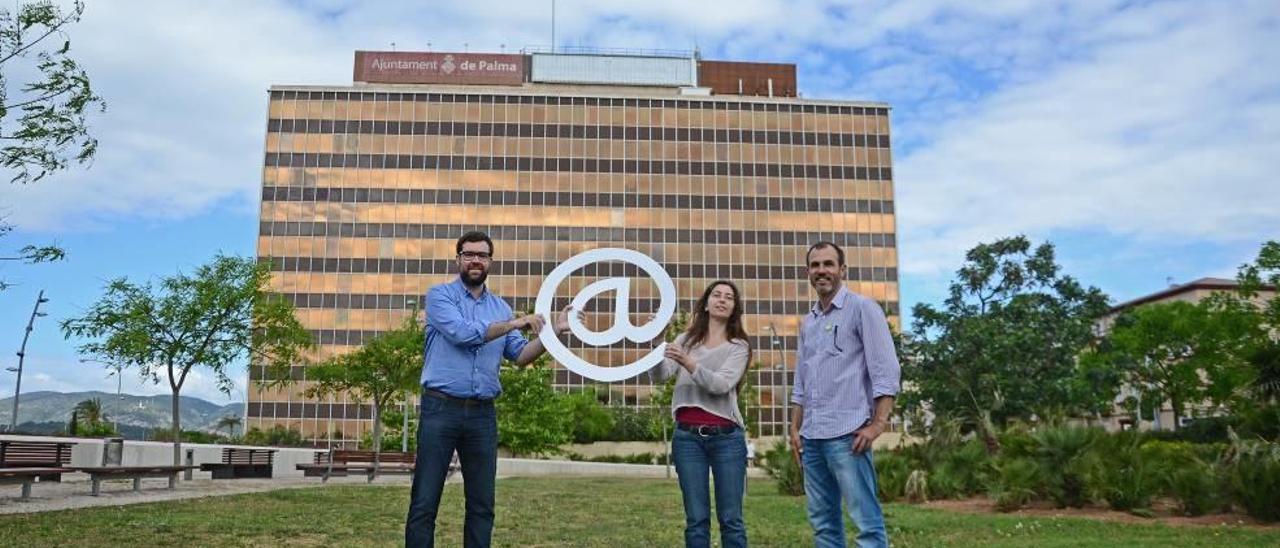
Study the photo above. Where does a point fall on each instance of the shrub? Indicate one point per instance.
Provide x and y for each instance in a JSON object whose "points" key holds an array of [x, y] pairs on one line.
{"points": [[1059, 452], [1118, 474], [277, 436], [963, 471], [590, 421], [892, 471], [783, 469], [1253, 471], [1015, 483], [1197, 488], [635, 425]]}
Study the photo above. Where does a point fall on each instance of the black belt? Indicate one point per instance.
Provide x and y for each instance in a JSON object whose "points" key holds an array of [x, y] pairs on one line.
{"points": [[706, 429], [453, 399]]}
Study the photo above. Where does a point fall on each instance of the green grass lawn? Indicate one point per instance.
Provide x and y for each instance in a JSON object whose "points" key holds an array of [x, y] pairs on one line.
{"points": [[612, 513]]}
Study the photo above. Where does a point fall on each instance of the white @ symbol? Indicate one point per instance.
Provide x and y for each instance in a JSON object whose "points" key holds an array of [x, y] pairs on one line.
{"points": [[621, 328]]}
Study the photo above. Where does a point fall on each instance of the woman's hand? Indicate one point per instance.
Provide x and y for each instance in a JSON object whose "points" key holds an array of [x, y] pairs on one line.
{"points": [[676, 353]]}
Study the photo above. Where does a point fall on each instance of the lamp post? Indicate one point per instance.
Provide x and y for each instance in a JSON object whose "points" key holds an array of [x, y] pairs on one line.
{"points": [[22, 354], [404, 429], [786, 405]]}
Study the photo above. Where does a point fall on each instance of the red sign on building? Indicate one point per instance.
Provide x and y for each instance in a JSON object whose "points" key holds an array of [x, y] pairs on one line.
{"points": [[407, 67]]}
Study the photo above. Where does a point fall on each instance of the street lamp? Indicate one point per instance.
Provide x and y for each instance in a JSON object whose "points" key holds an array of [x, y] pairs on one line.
{"points": [[786, 398], [404, 429], [119, 373], [22, 354]]}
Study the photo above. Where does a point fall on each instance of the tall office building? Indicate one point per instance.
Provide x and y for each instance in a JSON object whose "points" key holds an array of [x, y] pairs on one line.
{"points": [[717, 170]]}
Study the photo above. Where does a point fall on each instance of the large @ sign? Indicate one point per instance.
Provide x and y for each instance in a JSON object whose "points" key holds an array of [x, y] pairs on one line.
{"points": [[621, 328]]}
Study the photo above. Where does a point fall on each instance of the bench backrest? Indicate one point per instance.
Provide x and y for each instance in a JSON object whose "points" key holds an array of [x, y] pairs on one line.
{"points": [[20, 454], [233, 455]]}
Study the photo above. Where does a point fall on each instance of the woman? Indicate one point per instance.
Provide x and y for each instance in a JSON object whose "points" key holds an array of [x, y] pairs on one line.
{"points": [[710, 359]]}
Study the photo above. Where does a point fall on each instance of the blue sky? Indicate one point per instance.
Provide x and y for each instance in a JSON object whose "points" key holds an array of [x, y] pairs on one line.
{"points": [[1139, 137]]}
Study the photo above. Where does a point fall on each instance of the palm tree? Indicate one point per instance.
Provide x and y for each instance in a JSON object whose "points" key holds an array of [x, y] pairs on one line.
{"points": [[230, 422], [90, 411]]}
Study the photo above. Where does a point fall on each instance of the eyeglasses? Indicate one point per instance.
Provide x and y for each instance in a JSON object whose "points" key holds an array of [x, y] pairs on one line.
{"points": [[475, 256]]}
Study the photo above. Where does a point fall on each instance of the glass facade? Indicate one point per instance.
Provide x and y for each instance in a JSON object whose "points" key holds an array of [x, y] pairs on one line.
{"points": [[365, 193]]}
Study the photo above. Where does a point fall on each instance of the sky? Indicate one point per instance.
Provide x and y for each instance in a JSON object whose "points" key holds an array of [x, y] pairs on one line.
{"points": [[1134, 136]]}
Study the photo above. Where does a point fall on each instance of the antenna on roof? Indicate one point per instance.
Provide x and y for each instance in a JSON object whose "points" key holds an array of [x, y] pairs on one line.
{"points": [[553, 26], [393, 46]]}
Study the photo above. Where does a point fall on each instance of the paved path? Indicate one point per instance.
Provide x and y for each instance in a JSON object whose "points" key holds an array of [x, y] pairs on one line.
{"points": [[73, 492]]}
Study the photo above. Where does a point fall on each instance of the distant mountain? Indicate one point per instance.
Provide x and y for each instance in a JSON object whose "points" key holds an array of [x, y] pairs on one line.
{"points": [[47, 408]]}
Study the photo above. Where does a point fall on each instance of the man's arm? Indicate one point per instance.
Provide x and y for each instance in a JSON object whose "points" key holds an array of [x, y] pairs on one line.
{"points": [[865, 436], [884, 370], [797, 416], [444, 316], [534, 348]]}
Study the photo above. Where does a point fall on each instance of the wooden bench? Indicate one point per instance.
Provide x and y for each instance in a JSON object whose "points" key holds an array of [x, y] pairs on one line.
{"points": [[344, 462], [242, 463], [36, 454], [135, 473], [28, 476]]}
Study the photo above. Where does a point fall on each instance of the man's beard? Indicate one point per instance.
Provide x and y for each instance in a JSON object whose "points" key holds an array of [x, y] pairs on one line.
{"points": [[466, 278]]}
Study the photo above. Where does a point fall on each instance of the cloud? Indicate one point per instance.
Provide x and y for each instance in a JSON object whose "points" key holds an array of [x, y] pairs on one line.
{"points": [[67, 374], [1166, 131]]}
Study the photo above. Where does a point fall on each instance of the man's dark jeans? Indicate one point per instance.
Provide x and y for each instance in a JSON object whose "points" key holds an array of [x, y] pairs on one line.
{"points": [[471, 429]]}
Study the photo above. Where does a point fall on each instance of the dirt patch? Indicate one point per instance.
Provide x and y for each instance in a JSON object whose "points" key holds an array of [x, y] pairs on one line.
{"points": [[1162, 509]]}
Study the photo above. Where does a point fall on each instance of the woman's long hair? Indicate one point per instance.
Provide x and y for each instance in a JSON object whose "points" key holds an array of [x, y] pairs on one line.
{"points": [[701, 324]]}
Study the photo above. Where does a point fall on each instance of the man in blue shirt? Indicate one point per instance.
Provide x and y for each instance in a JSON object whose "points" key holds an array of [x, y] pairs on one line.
{"points": [[847, 375], [469, 331]]}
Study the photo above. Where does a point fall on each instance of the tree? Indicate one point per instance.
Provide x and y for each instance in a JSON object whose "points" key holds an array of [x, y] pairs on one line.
{"points": [[51, 106], [91, 411], [381, 372], [532, 417], [1004, 343], [29, 254], [1179, 352], [219, 316], [229, 423]]}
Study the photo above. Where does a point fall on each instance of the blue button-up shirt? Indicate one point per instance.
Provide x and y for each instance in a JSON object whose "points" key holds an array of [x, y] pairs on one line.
{"points": [[845, 361], [457, 360]]}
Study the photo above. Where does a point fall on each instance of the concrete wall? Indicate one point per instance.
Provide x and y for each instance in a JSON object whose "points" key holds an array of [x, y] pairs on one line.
{"points": [[88, 452]]}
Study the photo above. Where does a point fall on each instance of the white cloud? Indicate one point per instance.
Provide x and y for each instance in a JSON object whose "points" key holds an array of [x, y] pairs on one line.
{"points": [[1167, 131]]}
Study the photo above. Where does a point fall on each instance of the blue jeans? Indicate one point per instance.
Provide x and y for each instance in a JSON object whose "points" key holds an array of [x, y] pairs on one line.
{"points": [[472, 430], [725, 457], [833, 472]]}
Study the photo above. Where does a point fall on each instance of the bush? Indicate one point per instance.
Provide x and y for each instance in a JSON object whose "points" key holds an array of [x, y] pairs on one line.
{"points": [[963, 471], [277, 436], [635, 425], [1118, 473], [1253, 471], [783, 468], [892, 471], [1016, 479], [590, 421], [1059, 452]]}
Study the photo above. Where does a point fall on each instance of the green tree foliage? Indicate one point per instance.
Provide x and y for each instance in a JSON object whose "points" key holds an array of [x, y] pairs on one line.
{"points": [[43, 122], [381, 372], [532, 417], [229, 423], [1180, 352], [221, 315], [590, 420], [1003, 345]]}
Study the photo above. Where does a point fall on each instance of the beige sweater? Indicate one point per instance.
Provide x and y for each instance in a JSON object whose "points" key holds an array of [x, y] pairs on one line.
{"points": [[713, 384]]}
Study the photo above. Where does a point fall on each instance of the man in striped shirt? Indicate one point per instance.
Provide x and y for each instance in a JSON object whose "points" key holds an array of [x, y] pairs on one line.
{"points": [[847, 375]]}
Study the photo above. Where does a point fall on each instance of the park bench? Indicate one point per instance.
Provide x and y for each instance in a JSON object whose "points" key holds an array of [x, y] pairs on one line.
{"points": [[28, 476], [344, 462], [135, 473], [36, 454], [242, 463]]}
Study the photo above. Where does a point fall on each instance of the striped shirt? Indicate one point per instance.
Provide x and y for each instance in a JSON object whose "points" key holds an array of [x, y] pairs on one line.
{"points": [[845, 361]]}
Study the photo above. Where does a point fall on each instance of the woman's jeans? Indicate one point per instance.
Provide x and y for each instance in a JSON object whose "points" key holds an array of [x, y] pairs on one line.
{"points": [[724, 456]]}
